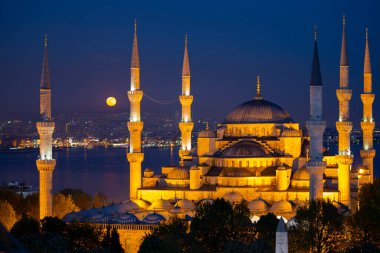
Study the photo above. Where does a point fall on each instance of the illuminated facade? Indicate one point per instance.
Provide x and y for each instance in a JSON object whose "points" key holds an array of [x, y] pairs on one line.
{"points": [[135, 125], [46, 162], [258, 153]]}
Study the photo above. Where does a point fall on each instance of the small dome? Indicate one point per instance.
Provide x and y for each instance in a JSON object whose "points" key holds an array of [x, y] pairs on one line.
{"points": [[186, 204], [126, 218], [281, 206], [245, 149], [233, 197], [70, 217], [100, 218], [124, 207], [257, 206], [141, 203], [258, 111], [148, 172], [301, 174], [178, 173], [177, 209], [290, 132], [207, 134], [153, 218], [160, 205]]}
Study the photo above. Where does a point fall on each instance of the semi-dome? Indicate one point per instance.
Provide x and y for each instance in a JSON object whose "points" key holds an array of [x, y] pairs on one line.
{"points": [[257, 206], [281, 206], [258, 111], [233, 197], [301, 174], [178, 173], [245, 149]]}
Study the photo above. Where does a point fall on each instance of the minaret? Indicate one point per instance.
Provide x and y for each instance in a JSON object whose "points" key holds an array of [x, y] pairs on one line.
{"points": [[367, 124], [316, 127], [344, 125], [281, 237], [45, 127], [135, 125], [186, 125]]}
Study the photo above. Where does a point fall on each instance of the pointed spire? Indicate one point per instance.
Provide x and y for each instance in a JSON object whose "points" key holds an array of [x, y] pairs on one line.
{"points": [[45, 76], [186, 65], [367, 58], [135, 63], [315, 79], [281, 226], [343, 52]]}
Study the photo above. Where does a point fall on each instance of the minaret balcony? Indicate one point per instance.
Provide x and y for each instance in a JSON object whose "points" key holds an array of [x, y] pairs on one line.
{"points": [[46, 165], [367, 154], [344, 94], [367, 98], [367, 126], [344, 159], [186, 100], [344, 126], [135, 96], [45, 127], [135, 157]]}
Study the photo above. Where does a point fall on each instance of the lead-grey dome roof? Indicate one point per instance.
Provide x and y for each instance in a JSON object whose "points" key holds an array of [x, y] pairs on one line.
{"points": [[245, 149], [258, 111]]}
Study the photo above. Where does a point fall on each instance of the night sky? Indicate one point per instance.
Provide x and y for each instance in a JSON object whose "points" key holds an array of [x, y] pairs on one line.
{"points": [[230, 42]]}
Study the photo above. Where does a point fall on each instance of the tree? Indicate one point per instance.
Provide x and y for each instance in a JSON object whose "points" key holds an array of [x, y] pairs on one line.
{"points": [[217, 223], [367, 218], [115, 246], [52, 225], [7, 214], [62, 205], [266, 228], [321, 225], [80, 198], [84, 237], [100, 199], [170, 237], [25, 226]]}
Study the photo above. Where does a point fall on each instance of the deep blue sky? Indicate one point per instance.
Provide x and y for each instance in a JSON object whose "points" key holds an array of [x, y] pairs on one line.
{"points": [[229, 43]]}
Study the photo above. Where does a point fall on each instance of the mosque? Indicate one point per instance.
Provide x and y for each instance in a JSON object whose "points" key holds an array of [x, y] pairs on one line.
{"points": [[258, 153]]}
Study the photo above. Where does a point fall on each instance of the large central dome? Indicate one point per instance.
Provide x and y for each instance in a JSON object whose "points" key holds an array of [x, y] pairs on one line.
{"points": [[258, 110]]}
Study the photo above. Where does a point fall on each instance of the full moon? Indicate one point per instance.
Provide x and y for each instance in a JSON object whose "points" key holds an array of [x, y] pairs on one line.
{"points": [[111, 101]]}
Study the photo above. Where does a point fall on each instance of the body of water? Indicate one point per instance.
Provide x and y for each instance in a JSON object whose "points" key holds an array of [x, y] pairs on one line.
{"points": [[102, 169]]}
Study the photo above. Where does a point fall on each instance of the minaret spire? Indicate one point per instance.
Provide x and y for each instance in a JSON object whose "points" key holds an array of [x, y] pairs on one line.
{"points": [[186, 125], [45, 76], [344, 125], [316, 127], [186, 65], [135, 63], [367, 58], [367, 125], [343, 52], [135, 155], [315, 79], [45, 163]]}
